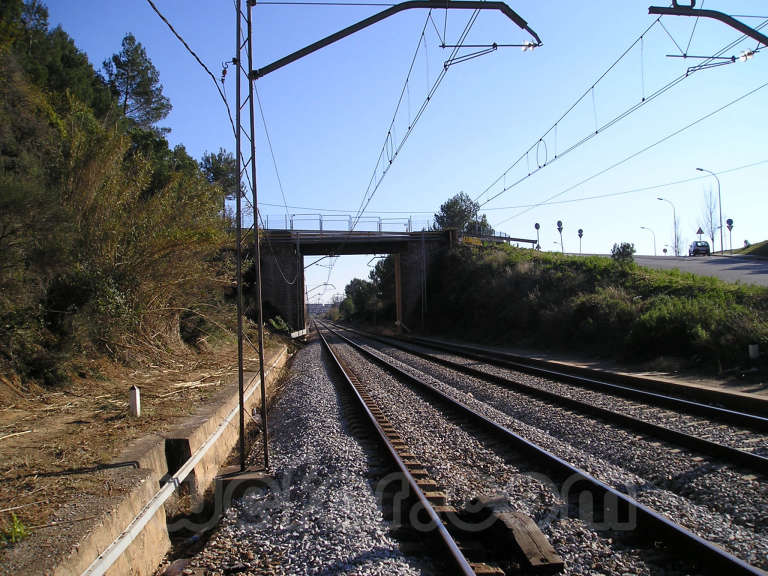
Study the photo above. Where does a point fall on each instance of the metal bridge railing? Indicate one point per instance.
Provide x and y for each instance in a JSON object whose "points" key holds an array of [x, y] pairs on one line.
{"points": [[343, 223]]}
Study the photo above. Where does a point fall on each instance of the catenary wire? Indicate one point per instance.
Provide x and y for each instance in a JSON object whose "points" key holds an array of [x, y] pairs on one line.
{"points": [[519, 206], [637, 153], [271, 150], [196, 57], [631, 191], [371, 191], [570, 108], [610, 123]]}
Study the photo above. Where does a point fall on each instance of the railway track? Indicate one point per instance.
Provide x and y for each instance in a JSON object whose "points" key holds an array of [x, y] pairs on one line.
{"points": [[467, 540], [734, 408], [607, 502], [745, 456]]}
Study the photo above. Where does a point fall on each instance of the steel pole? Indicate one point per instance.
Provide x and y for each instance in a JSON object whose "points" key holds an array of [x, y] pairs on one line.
{"points": [[239, 249], [720, 209], [719, 206], [257, 245], [674, 223], [654, 237]]}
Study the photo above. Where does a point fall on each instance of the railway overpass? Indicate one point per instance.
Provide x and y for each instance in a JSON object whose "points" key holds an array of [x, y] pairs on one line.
{"points": [[282, 265], [282, 261]]}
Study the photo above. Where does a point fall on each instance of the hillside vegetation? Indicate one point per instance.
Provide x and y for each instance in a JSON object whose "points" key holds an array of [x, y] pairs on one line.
{"points": [[757, 249], [110, 239], [595, 305]]}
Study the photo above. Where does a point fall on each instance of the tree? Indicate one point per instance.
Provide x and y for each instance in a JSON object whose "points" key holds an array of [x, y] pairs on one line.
{"points": [[460, 212], [135, 82], [623, 254], [220, 169], [709, 215]]}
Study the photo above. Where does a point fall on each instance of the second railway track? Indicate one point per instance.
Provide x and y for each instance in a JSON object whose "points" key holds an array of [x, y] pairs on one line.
{"points": [[678, 540]]}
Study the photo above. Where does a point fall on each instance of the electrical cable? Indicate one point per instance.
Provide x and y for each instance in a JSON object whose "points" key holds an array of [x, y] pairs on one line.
{"points": [[271, 150], [695, 23], [631, 191], [637, 153], [196, 57], [404, 90], [611, 122], [569, 110], [347, 212], [374, 184], [371, 189]]}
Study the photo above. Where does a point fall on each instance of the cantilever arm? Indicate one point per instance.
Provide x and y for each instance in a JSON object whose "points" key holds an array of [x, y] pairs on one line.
{"points": [[730, 20], [447, 4]]}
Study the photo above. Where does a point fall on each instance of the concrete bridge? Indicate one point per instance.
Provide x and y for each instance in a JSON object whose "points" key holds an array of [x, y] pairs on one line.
{"points": [[282, 260]]}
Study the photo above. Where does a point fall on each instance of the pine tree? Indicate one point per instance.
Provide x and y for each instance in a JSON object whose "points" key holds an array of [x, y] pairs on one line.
{"points": [[135, 83]]}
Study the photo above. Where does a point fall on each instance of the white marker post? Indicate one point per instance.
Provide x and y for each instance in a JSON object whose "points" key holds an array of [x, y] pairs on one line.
{"points": [[134, 402]]}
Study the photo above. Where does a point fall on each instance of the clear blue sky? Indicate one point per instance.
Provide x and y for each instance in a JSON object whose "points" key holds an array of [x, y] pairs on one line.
{"points": [[328, 114]]}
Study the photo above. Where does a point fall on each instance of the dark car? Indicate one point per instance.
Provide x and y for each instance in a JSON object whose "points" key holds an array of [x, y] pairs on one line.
{"points": [[699, 247]]}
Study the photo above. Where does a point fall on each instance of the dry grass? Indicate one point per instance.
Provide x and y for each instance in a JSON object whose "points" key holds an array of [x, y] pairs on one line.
{"points": [[52, 439]]}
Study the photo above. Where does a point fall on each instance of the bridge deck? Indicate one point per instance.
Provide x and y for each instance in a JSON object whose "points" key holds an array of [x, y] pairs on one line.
{"points": [[312, 242]]}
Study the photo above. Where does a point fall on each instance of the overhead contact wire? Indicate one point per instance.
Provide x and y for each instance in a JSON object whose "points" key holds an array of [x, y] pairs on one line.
{"points": [[638, 153]]}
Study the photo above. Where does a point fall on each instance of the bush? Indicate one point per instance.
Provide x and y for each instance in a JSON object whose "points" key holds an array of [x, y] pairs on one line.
{"points": [[522, 297], [277, 324], [623, 253], [14, 533]]}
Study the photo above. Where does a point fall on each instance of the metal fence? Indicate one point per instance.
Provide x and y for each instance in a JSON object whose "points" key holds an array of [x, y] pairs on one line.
{"points": [[344, 222]]}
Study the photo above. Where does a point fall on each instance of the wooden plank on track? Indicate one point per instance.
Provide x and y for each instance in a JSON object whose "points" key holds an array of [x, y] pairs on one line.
{"points": [[516, 529]]}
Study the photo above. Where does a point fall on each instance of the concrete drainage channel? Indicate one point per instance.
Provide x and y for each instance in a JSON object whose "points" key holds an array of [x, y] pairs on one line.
{"points": [[132, 538]]}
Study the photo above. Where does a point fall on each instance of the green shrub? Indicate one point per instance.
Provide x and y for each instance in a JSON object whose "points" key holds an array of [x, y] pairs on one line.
{"points": [[523, 297], [14, 533], [277, 324]]}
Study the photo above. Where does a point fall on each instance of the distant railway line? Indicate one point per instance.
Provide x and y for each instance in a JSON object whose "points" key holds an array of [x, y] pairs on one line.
{"points": [[673, 488]]}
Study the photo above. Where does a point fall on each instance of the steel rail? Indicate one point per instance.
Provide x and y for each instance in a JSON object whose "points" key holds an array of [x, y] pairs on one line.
{"points": [[709, 557], [754, 461], [597, 380], [458, 560]]}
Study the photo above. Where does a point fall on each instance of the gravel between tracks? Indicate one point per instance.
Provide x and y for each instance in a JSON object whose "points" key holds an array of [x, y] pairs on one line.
{"points": [[321, 516], [744, 439], [724, 506], [464, 467], [726, 491]]}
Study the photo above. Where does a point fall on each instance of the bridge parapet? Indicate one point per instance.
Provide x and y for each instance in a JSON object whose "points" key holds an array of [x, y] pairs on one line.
{"points": [[345, 222]]}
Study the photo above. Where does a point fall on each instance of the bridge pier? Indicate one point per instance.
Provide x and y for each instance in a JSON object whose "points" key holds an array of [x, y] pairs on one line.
{"points": [[398, 295], [282, 284]]}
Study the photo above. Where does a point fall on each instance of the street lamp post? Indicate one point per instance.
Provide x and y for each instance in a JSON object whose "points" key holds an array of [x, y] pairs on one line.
{"points": [[654, 237], [719, 205], [674, 223]]}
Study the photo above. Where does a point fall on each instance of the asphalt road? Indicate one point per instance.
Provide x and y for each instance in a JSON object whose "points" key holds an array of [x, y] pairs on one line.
{"points": [[729, 268]]}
